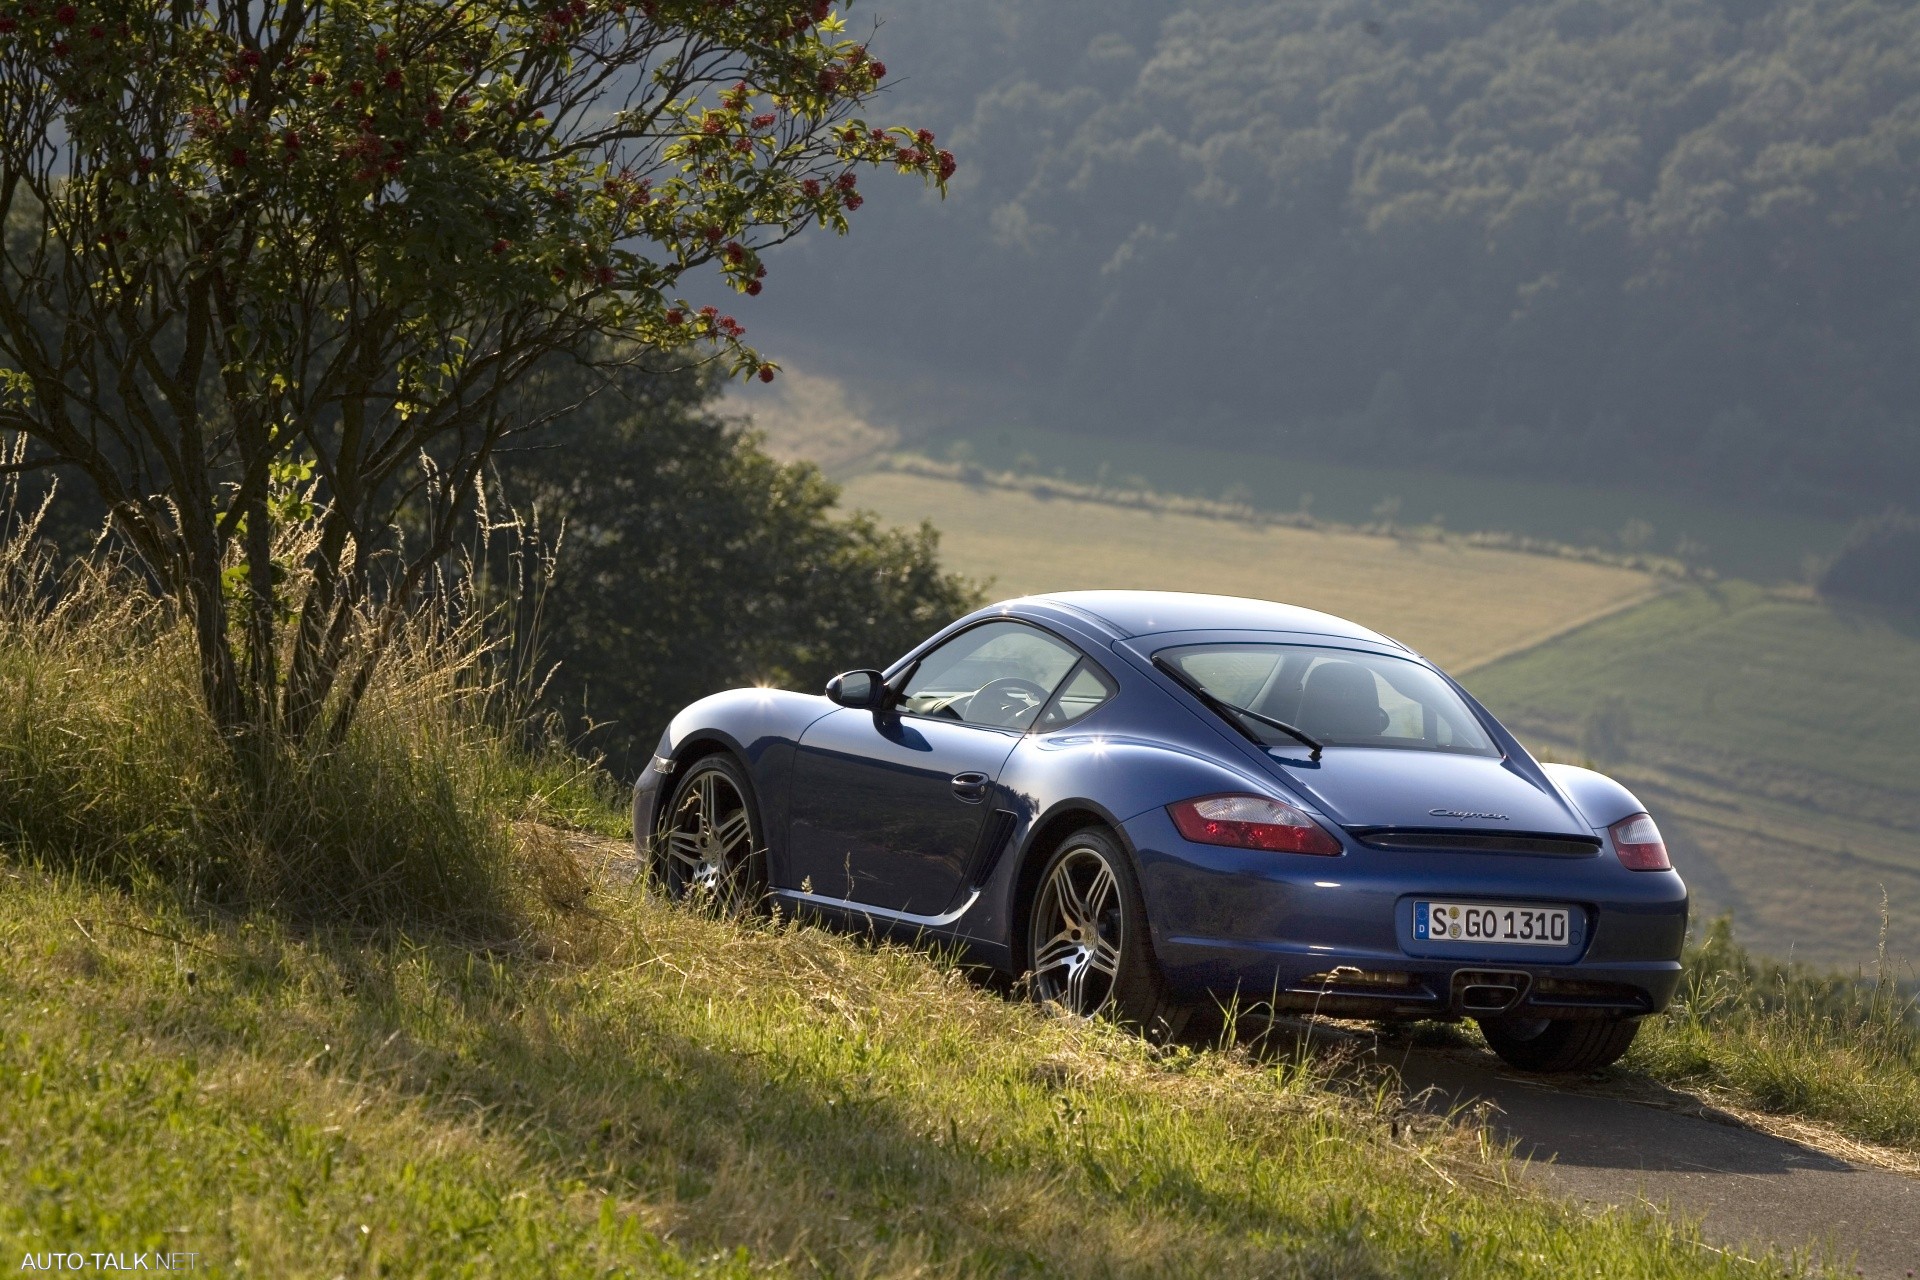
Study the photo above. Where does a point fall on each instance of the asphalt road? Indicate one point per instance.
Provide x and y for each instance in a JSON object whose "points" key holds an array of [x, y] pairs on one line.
{"points": [[1748, 1189]]}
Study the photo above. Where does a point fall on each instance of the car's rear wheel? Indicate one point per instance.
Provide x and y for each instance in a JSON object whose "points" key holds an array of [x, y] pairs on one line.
{"points": [[710, 851], [1557, 1045], [1087, 947]]}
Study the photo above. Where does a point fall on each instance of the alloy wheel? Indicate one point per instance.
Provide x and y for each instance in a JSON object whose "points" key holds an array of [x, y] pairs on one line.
{"points": [[1080, 917], [708, 843]]}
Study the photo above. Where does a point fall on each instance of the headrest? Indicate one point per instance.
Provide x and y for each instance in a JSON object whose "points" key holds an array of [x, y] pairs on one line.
{"points": [[1342, 700]]}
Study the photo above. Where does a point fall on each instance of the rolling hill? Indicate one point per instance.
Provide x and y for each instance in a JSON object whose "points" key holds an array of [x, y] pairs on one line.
{"points": [[1461, 604], [1655, 242], [1777, 739], [1773, 736]]}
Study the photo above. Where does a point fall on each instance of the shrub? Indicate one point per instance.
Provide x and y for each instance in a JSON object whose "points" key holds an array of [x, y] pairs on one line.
{"points": [[1879, 565]]}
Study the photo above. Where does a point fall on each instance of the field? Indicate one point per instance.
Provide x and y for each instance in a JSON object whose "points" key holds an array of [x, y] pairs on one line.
{"points": [[1585, 511], [1776, 737], [1461, 605], [809, 416], [1773, 736]]}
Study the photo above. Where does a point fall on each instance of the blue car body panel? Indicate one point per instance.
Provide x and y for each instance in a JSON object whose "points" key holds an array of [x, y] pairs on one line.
{"points": [[861, 825], [897, 837]]}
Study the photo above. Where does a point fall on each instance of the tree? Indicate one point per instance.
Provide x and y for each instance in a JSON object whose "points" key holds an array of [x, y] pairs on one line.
{"points": [[273, 272], [1880, 564], [1579, 231], [692, 561]]}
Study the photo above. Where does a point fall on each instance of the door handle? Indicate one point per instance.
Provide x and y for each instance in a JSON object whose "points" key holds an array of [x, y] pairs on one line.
{"points": [[970, 786]]}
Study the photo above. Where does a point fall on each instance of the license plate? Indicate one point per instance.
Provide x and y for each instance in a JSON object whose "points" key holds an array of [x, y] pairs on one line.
{"points": [[1478, 922]]}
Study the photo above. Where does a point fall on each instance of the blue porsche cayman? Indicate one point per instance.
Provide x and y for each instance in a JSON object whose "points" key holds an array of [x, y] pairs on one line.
{"points": [[1153, 803]]}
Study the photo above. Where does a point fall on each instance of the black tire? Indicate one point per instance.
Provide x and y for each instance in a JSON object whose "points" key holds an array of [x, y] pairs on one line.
{"points": [[711, 848], [1063, 965], [1556, 1045]]}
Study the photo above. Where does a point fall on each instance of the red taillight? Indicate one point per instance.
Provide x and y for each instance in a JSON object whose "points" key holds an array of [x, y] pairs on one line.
{"points": [[1639, 845], [1251, 822]]}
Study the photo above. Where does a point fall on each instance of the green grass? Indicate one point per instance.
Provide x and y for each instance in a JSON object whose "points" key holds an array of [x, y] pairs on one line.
{"points": [[1775, 740], [1731, 672], [1781, 1038], [1766, 546], [373, 1015], [653, 1092]]}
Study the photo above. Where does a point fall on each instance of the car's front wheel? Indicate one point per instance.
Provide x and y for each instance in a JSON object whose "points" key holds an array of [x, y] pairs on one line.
{"points": [[709, 850], [1559, 1045], [1087, 945]]}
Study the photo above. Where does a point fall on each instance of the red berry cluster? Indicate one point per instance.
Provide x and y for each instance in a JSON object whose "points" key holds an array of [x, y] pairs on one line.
{"points": [[802, 19], [65, 19], [562, 20]]}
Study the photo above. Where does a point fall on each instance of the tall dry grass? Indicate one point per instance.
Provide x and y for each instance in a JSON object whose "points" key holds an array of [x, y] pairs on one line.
{"points": [[109, 764], [1784, 1038]]}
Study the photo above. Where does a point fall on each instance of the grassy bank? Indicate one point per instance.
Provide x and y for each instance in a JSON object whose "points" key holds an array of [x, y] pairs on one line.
{"points": [[109, 766], [367, 1011], [352, 1012], [1782, 1038], [648, 1091]]}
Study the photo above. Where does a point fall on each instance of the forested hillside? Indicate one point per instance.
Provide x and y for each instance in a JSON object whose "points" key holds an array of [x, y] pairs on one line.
{"points": [[1664, 240]]}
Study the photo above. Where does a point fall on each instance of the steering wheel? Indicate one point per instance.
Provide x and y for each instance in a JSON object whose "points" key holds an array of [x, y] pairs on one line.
{"points": [[1001, 703]]}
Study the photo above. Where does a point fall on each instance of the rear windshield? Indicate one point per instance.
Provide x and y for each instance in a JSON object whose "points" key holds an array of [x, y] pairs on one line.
{"points": [[1338, 697]]}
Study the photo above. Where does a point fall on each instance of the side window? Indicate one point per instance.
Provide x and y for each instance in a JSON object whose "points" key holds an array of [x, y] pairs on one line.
{"points": [[1085, 690], [1000, 674]]}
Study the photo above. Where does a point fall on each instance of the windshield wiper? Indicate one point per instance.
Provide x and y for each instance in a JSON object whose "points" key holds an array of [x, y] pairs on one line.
{"points": [[1227, 709]]}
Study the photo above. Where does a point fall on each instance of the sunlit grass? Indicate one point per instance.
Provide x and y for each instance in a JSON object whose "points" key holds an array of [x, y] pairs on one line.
{"points": [[1783, 1038], [651, 1091], [374, 1015]]}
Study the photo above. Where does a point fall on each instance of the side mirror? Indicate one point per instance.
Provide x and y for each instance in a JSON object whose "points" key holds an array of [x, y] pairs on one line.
{"points": [[864, 690]]}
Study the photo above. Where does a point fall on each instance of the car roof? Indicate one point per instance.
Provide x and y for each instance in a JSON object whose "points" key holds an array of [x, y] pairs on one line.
{"points": [[1143, 613]]}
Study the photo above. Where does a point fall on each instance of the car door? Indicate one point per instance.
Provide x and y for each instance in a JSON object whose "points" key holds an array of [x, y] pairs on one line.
{"points": [[888, 805]]}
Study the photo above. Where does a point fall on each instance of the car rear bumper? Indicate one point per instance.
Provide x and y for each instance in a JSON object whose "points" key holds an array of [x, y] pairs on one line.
{"points": [[1348, 985], [1336, 934]]}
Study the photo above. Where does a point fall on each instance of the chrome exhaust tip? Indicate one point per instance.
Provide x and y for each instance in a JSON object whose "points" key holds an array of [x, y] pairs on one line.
{"points": [[1487, 992]]}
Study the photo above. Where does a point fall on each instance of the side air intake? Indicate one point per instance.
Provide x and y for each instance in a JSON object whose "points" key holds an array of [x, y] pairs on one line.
{"points": [[993, 843]]}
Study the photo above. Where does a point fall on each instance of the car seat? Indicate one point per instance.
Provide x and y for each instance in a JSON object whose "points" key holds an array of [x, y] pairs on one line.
{"points": [[1342, 701]]}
